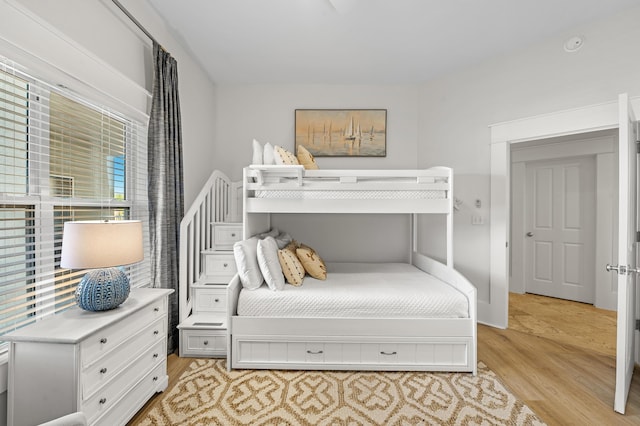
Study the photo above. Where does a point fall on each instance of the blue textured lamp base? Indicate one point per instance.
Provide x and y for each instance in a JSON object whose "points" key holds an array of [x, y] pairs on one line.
{"points": [[102, 289]]}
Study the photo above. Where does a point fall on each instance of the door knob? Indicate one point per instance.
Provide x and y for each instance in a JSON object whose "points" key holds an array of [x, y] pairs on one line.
{"points": [[529, 234]]}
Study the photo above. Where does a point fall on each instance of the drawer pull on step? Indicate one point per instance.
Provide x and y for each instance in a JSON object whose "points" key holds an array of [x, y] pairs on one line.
{"points": [[388, 353], [314, 353], [103, 370], [206, 342], [103, 401], [156, 309], [103, 340], [155, 355]]}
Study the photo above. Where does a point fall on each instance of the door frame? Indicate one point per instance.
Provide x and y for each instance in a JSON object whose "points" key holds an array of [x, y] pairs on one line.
{"points": [[604, 116], [601, 146]]}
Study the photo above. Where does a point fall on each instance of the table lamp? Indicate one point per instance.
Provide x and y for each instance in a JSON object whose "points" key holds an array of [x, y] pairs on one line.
{"points": [[103, 247]]}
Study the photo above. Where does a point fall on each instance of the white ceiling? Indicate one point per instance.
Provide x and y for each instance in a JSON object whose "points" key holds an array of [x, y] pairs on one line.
{"points": [[364, 41]]}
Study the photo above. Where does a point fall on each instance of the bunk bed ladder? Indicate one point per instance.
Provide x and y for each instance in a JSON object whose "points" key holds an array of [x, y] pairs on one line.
{"points": [[218, 201]]}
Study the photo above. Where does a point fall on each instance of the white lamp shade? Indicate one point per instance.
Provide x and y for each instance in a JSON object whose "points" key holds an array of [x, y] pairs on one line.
{"points": [[101, 244]]}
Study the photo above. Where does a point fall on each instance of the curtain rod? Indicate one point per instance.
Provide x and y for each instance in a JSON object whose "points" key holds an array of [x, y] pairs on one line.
{"points": [[135, 21]]}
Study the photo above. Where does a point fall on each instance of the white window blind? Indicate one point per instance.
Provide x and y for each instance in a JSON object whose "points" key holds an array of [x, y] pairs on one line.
{"points": [[62, 158]]}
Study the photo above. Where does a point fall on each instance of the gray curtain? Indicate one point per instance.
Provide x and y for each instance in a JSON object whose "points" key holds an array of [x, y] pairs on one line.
{"points": [[166, 199]]}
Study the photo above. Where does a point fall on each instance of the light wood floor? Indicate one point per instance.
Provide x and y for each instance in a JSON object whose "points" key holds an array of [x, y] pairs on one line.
{"points": [[557, 356]]}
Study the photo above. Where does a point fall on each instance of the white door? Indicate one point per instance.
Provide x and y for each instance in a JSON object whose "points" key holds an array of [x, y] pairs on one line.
{"points": [[560, 228], [626, 268]]}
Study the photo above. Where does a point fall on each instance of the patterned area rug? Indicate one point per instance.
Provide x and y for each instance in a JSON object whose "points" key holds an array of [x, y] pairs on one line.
{"points": [[206, 394]]}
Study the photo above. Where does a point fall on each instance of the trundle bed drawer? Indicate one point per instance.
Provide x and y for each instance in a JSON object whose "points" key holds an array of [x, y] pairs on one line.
{"points": [[254, 353]]}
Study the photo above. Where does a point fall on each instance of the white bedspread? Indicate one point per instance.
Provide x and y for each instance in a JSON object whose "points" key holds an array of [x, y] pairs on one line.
{"points": [[360, 290]]}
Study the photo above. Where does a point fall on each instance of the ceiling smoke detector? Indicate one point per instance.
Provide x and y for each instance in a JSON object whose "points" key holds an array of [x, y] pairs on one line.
{"points": [[573, 44]]}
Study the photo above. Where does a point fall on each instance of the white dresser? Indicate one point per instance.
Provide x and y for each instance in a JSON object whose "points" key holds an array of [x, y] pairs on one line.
{"points": [[204, 332], [105, 364]]}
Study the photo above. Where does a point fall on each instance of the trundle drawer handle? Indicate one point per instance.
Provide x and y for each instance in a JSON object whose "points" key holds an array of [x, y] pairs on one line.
{"points": [[388, 353], [225, 265], [315, 353], [216, 300], [103, 340], [103, 401], [206, 342], [233, 234], [103, 370]]}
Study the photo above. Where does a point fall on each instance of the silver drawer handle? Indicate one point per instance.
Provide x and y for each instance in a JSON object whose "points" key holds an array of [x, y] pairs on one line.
{"points": [[206, 342], [388, 353], [103, 340], [103, 401], [103, 370], [315, 353]]}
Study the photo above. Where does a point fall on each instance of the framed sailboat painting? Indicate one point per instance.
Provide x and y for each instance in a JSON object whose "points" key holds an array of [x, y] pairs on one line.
{"points": [[342, 132]]}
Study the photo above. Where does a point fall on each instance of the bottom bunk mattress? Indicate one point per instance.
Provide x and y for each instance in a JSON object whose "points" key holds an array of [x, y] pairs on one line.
{"points": [[359, 290]]}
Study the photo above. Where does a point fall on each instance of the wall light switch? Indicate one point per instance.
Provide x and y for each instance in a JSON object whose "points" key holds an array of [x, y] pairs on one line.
{"points": [[477, 220]]}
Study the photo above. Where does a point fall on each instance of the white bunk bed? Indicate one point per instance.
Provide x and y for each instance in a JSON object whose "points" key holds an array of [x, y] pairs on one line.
{"points": [[323, 341]]}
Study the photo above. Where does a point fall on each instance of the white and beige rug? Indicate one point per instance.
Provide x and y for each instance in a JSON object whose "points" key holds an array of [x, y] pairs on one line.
{"points": [[206, 394]]}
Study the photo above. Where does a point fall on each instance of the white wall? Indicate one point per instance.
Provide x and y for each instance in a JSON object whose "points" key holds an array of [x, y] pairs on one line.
{"points": [[456, 110], [266, 113]]}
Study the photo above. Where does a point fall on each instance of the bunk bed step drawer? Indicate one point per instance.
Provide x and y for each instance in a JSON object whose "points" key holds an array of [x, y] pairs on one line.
{"points": [[210, 300], [203, 343], [225, 234], [218, 267], [435, 354]]}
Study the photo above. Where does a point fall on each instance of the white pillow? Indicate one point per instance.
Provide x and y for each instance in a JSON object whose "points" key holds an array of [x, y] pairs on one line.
{"points": [[283, 239], [273, 232], [245, 253], [270, 264], [257, 153], [268, 156]]}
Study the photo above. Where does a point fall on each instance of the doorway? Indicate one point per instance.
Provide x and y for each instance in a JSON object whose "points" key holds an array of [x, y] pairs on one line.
{"points": [[563, 192]]}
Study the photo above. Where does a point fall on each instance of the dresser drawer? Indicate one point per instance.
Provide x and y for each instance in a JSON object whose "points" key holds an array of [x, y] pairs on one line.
{"points": [[203, 342], [130, 402], [219, 265], [210, 300], [109, 338], [108, 395], [104, 369], [225, 234]]}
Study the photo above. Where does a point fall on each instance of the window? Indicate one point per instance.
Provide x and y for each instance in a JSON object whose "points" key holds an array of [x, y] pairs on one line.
{"points": [[61, 158]]}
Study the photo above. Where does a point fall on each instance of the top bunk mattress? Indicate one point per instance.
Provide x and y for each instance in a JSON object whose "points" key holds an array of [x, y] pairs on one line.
{"points": [[360, 290]]}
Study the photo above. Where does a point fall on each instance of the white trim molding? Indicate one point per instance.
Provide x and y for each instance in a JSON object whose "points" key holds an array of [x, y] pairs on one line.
{"points": [[587, 119]]}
